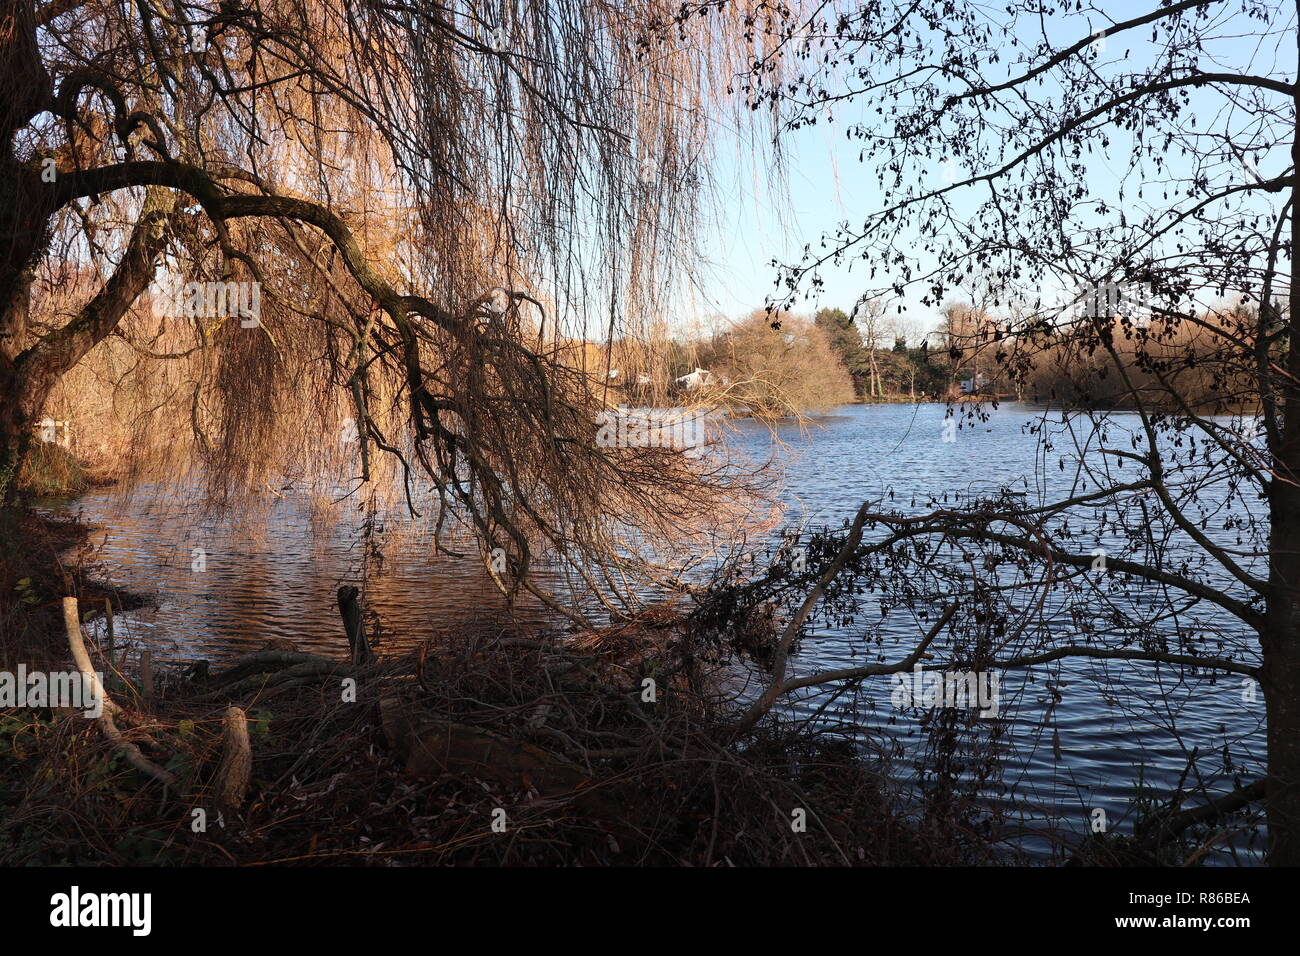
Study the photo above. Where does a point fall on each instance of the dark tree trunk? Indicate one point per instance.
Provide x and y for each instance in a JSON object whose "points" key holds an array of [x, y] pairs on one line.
{"points": [[28, 373], [350, 610], [1280, 674], [24, 222], [1281, 684], [15, 429]]}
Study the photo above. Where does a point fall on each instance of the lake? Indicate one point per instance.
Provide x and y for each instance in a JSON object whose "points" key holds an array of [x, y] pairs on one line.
{"points": [[224, 587]]}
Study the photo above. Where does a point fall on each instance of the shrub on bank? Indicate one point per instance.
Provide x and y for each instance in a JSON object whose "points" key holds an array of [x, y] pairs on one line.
{"points": [[51, 471]]}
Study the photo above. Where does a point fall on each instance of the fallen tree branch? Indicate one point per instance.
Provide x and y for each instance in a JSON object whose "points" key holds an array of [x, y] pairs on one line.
{"points": [[262, 662], [1164, 828], [317, 667], [876, 670], [782, 653], [72, 624]]}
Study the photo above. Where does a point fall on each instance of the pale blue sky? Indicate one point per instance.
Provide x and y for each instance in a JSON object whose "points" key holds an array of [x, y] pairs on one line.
{"points": [[828, 184]]}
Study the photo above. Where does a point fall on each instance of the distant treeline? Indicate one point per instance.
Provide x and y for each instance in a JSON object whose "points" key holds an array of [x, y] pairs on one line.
{"points": [[1062, 362], [782, 364]]}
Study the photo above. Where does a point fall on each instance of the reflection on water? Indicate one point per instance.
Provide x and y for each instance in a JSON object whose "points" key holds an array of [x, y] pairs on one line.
{"points": [[1064, 760], [220, 588]]}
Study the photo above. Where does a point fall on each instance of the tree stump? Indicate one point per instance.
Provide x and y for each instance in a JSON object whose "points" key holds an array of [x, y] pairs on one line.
{"points": [[350, 609], [236, 768]]}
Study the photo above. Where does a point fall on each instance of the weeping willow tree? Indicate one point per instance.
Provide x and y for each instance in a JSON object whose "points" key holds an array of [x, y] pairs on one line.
{"points": [[426, 200]]}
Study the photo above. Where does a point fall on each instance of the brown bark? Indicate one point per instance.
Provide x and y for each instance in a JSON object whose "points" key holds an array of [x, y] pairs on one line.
{"points": [[236, 769], [350, 611], [27, 375], [1280, 639]]}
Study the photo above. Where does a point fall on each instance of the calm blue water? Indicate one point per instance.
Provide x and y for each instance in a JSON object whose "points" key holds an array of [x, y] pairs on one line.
{"points": [[1116, 722]]}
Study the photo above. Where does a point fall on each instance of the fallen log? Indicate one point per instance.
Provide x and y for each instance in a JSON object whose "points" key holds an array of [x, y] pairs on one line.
{"points": [[262, 662], [317, 667]]}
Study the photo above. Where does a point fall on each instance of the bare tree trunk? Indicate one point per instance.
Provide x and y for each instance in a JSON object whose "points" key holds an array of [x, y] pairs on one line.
{"points": [[15, 432], [1280, 676], [22, 223], [28, 376], [1280, 672]]}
